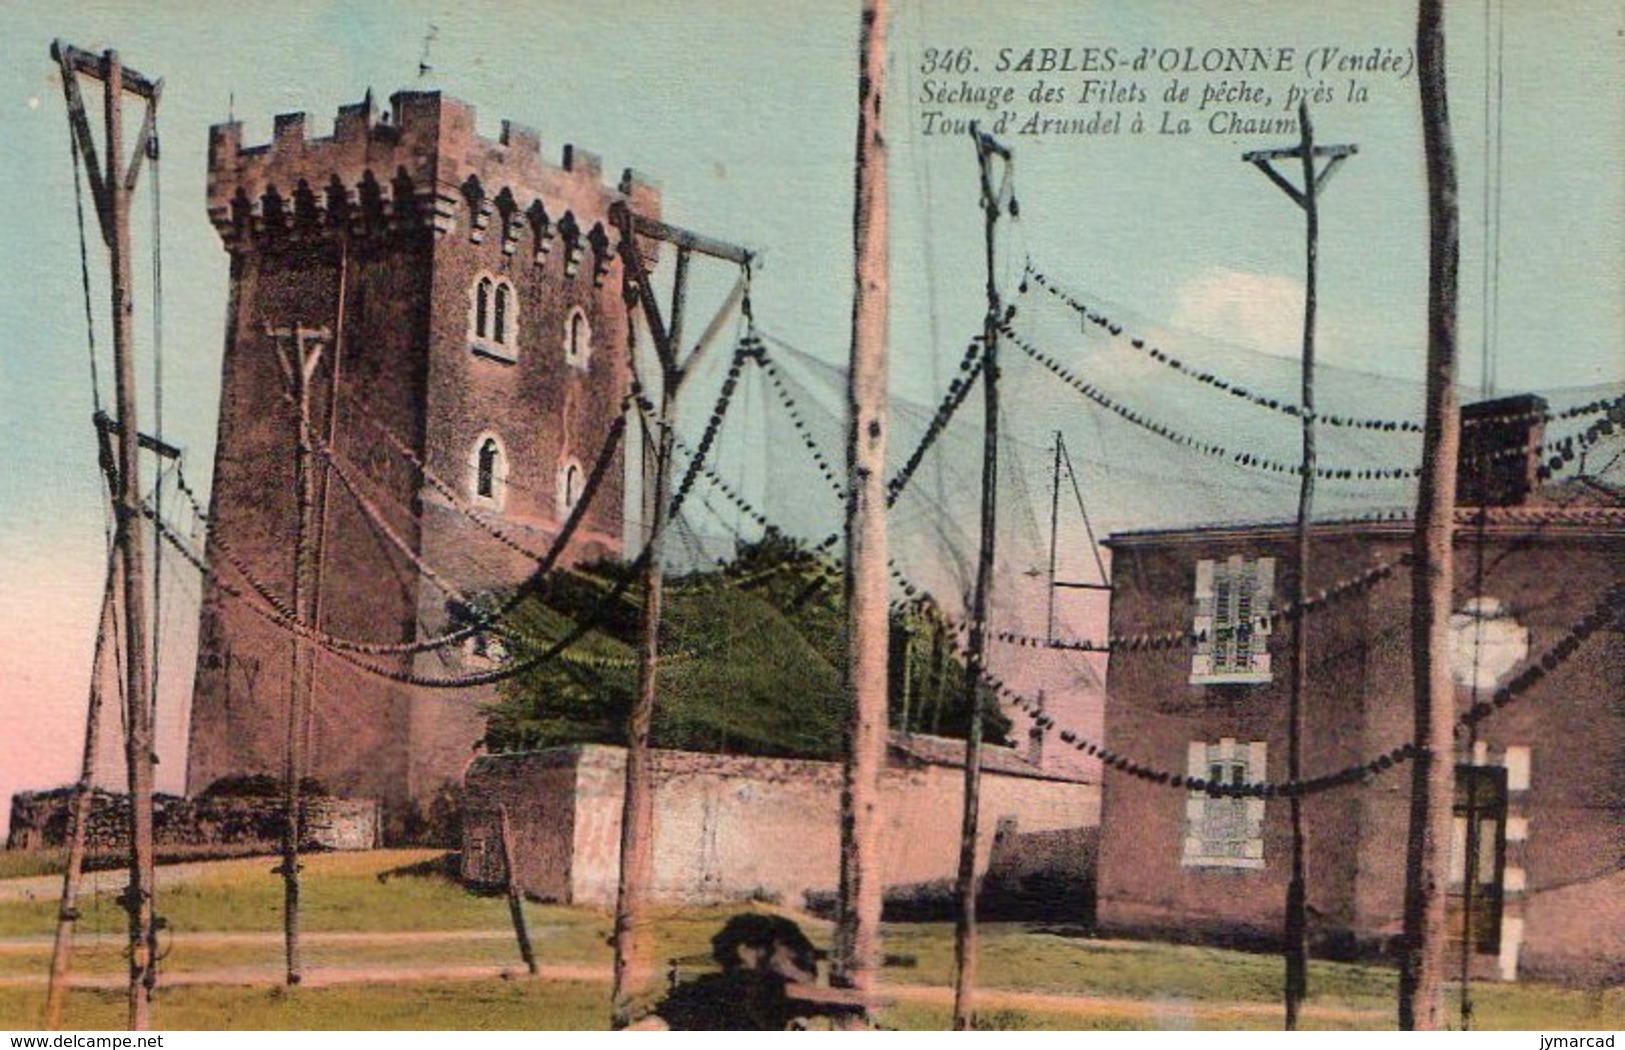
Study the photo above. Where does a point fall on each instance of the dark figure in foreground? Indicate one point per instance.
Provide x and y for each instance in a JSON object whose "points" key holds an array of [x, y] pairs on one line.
{"points": [[768, 980]]}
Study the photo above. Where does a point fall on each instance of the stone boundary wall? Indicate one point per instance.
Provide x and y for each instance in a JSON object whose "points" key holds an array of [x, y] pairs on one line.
{"points": [[40, 820], [734, 827]]}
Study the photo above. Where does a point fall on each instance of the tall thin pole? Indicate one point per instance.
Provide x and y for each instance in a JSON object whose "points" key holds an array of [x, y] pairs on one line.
{"points": [[857, 941], [68, 914], [138, 679], [976, 657], [516, 900], [1422, 964], [1297, 890], [111, 185], [1054, 539], [300, 361], [633, 972], [1295, 938], [633, 975]]}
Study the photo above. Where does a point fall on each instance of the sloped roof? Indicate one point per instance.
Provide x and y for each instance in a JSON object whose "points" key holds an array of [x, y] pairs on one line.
{"points": [[1581, 504], [945, 751]]}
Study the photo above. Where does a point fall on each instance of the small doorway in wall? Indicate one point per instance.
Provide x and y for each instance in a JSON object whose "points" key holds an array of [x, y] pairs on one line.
{"points": [[1478, 849]]}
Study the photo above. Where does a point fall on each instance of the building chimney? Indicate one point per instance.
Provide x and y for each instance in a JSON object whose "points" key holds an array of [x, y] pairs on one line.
{"points": [[1500, 450]]}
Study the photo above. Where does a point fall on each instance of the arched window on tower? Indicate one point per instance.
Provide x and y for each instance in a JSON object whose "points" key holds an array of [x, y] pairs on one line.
{"points": [[571, 483], [499, 328], [482, 307], [493, 318], [488, 472], [577, 338]]}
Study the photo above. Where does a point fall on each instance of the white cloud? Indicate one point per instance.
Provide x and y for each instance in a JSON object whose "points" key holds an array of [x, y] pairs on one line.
{"points": [[1261, 311]]}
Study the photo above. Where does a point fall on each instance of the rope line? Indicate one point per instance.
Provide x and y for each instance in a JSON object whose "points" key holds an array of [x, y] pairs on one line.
{"points": [[1322, 598], [545, 563], [1208, 448], [1217, 382], [158, 410], [959, 389], [1614, 406], [1608, 611], [776, 380], [84, 269], [347, 650]]}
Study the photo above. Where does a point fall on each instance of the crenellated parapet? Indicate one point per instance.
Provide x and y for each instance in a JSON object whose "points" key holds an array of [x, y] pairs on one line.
{"points": [[419, 166]]}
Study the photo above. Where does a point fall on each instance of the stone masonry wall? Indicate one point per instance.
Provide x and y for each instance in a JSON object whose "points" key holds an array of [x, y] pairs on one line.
{"points": [[40, 820], [730, 827]]}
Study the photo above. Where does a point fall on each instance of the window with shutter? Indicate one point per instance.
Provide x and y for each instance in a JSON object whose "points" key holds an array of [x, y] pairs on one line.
{"points": [[1222, 831], [1234, 603]]}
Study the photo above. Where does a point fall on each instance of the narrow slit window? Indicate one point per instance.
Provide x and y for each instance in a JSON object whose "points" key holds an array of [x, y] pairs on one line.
{"points": [[486, 483], [482, 307], [571, 482], [577, 338]]}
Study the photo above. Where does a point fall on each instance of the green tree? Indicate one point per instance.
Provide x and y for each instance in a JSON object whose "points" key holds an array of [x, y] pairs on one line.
{"points": [[751, 660]]}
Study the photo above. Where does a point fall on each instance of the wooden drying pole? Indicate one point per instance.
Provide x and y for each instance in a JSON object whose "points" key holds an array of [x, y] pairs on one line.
{"points": [[56, 994], [995, 200], [857, 932], [1422, 962], [300, 352], [111, 188], [1308, 198], [633, 973], [516, 901]]}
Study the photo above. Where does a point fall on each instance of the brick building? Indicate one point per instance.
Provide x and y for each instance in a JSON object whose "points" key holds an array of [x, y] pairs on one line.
{"points": [[1544, 775], [473, 359]]}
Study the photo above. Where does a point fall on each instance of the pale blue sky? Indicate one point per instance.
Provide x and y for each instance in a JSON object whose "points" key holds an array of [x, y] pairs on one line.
{"points": [[744, 113]]}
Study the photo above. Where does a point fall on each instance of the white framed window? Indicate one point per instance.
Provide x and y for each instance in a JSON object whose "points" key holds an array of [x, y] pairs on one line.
{"points": [[571, 483], [1234, 602], [488, 472], [493, 318], [577, 339], [1221, 831]]}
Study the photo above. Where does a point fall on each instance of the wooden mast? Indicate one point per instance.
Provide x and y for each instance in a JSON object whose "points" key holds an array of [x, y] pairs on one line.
{"points": [[111, 187], [994, 200], [1422, 964], [857, 935]]}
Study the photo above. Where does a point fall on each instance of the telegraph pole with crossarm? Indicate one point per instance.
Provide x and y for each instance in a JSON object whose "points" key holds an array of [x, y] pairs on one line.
{"points": [[1315, 176]]}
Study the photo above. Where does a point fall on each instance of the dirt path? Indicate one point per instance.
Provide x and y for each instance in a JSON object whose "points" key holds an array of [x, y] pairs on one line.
{"points": [[227, 940], [49, 887]]}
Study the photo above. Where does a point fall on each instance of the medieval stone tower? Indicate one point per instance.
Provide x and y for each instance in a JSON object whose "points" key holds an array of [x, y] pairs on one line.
{"points": [[466, 300]]}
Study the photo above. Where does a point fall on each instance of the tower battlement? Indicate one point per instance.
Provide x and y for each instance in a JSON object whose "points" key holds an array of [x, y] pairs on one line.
{"points": [[420, 165], [466, 392]]}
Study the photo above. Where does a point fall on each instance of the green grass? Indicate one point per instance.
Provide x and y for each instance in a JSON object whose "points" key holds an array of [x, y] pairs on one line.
{"points": [[457, 1005], [1012, 956], [398, 892], [340, 891], [106, 955], [17, 864]]}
